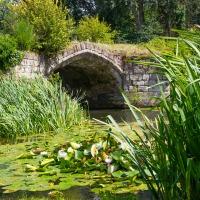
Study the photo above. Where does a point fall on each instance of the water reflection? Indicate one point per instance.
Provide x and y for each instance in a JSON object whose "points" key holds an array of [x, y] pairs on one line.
{"points": [[121, 115]]}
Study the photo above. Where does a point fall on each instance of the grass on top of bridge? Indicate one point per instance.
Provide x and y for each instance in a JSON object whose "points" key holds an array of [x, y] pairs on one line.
{"points": [[157, 45]]}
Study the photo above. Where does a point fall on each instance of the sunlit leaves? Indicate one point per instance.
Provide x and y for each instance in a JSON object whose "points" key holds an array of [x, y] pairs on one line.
{"points": [[90, 28], [52, 30]]}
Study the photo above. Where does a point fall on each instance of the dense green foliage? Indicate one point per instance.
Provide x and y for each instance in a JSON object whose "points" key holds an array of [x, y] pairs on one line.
{"points": [[3, 13], [95, 31], [9, 55], [35, 106], [169, 150], [23, 33], [138, 20], [51, 28]]}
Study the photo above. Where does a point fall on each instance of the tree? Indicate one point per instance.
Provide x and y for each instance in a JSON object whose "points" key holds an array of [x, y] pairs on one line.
{"points": [[78, 8], [138, 11], [49, 22], [4, 13], [192, 12], [171, 14]]}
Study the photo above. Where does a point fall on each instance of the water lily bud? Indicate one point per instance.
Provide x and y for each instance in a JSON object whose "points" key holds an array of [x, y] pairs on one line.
{"points": [[112, 168], [104, 155], [94, 150], [105, 144], [75, 145], [43, 153]]}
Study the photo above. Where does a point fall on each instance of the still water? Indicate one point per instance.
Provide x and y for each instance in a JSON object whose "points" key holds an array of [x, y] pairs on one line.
{"points": [[84, 193], [121, 115]]}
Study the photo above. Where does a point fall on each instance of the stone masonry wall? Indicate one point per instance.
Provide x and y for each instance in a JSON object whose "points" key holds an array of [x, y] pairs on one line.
{"points": [[32, 65], [138, 82], [136, 79]]}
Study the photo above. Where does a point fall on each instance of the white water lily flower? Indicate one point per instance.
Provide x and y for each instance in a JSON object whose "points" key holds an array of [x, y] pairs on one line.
{"points": [[86, 152], [43, 153], [70, 150], [99, 145], [94, 150], [108, 160], [112, 168], [124, 146], [61, 154]]}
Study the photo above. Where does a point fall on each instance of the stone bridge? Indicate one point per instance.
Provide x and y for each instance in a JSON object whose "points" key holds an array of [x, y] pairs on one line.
{"points": [[87, 68]]}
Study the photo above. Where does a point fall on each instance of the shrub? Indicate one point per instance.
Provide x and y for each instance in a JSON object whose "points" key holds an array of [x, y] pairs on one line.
{"points": [[23, 33], [9, 55], [36, 106], [167, 46], [51, 28], [90, 28]]}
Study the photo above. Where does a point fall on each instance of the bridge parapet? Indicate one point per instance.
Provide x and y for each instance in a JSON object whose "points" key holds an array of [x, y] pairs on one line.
{"points": [[80, 49]]}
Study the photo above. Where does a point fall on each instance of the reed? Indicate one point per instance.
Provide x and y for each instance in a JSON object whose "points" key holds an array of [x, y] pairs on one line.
{"points": [[168, 155], [36, 106]]}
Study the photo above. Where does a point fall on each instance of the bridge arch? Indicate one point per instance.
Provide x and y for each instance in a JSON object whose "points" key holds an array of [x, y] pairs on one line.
{"points": [[101, 73], [89, 69]]}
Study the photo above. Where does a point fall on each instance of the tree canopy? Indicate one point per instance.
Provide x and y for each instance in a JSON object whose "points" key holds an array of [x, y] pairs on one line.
{"points": [[139, 20], [134, 21]]}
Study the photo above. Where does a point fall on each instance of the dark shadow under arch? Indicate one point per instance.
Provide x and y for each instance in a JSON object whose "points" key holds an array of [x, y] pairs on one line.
{"points": [[94, 76]]}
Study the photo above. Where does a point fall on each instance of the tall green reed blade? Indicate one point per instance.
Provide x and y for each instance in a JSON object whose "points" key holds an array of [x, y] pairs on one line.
{"points": [[173, 156]]}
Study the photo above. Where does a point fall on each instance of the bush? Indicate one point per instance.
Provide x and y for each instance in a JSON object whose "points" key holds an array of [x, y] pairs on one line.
{"points": [[36, 106], [23, 33], [9, 55], [166, 46], [90, 28], [51, 28]]}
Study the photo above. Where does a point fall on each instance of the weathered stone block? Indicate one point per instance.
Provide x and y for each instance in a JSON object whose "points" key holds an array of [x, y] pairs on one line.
{"points": [[139, 83], [136, 77], [142, 88], [150, 82], [145, 77], [127, 77], [155, 77], [139, 70], [150, 70], [154, 89]]}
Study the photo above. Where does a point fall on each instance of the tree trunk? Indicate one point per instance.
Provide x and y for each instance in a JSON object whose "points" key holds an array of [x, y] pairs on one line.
{"points": [[138, 12]]}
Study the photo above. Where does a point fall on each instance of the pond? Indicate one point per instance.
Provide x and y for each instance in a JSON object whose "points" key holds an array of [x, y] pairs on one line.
{"points": [[121, 115], [16, 167]]}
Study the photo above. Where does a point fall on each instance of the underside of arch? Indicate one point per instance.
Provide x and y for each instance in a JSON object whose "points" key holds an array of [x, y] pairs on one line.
{"points": [[94, 76]]}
